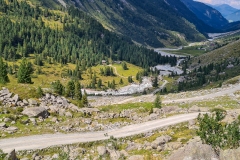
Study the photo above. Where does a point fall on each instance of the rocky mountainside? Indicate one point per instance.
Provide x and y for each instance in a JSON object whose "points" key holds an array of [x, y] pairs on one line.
{"points": [[209, 15], [153, 22]]}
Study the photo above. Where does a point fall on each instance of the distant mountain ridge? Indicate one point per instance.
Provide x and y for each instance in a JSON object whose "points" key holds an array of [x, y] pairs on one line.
{"points": [[234, 16], [225, 9], [206, 13]]}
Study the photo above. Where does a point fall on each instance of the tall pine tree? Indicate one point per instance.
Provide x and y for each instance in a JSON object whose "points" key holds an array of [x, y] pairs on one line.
{"points": [[78, 92], [24, 72], [3, 72]]}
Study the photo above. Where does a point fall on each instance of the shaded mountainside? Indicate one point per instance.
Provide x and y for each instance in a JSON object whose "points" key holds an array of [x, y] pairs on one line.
{"points": [[151, 22], [224, 9], [209, 15], [234, 16]]}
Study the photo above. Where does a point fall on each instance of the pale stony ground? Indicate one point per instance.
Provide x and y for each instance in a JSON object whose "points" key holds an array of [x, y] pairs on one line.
{"points": [[227, 90]]}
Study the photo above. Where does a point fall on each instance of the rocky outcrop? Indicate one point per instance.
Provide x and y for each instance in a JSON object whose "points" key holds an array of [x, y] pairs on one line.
{"points": [[194, 150], [36, 112]]}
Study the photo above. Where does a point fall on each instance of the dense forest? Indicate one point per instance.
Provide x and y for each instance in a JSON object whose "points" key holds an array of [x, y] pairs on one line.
{"points": [[65, 37]]}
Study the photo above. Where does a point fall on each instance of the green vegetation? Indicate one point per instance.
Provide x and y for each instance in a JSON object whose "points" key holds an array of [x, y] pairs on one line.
{"points": [[218, 134], [24, 72], [3, 72], [157, 102], [190, 51], [2, 155]]}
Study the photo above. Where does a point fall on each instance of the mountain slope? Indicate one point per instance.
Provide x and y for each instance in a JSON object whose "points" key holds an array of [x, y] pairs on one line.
{"points": [[151, 22], [224, 9], [234, 16], [64, 37], [210, 16]]}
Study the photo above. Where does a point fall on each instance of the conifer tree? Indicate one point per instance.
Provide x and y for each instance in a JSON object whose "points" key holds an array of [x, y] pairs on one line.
{"points": [[70, 89], [24, 72], [157, 102], [3, 72], [78, 92], [155, 82], [39, 92], [58, 87], [84, 99], [121, 81]]}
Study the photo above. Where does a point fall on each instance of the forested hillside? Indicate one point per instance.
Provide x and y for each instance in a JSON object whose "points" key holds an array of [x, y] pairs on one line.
{"points": [[65, 37], [150, 22]]}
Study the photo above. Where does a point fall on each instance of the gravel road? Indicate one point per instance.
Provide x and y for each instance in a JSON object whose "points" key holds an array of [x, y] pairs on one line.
{"points": [[47, 140]]}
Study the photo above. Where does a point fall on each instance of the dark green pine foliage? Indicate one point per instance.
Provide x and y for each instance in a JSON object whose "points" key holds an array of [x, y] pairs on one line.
{"points": [[78, 92], [155, 82], [58, 87], [82, 39], [124, 66], [85, 99], [24, 72], [3, 72], [157, 102], [70, 89]]}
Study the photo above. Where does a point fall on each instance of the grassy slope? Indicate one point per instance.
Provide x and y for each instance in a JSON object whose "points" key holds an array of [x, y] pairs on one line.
{"points": [[52, 72], [227, 52]]}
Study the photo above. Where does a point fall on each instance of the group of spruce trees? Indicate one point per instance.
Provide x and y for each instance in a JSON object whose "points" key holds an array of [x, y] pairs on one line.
{"points": [[212, 72], [72, 90], [23, 75], [78, 37]]}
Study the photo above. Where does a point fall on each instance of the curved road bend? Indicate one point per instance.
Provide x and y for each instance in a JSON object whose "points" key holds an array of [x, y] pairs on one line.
{"points": [[47, 140]]}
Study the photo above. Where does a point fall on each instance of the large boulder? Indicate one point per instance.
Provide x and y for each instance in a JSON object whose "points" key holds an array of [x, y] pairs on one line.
{"points": [[162, 140], [36, 112], [11, 155], [193, 151], [101, 150]]}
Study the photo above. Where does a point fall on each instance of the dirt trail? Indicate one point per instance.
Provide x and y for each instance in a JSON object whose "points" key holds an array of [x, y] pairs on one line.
{"points": [[44, 141]]}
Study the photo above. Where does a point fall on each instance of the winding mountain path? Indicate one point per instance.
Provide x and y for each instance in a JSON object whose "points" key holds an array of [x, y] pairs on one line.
{"points": [[47, 140]]}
